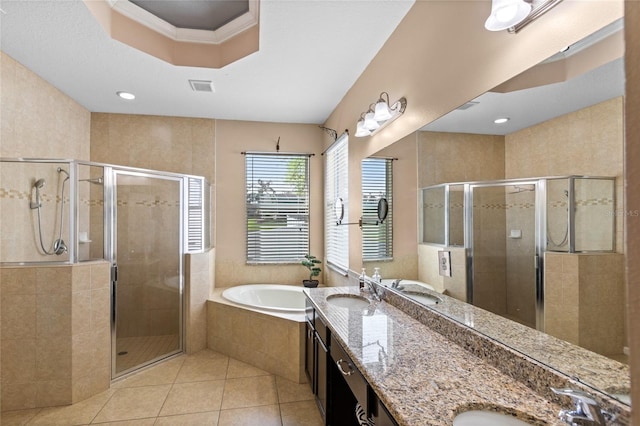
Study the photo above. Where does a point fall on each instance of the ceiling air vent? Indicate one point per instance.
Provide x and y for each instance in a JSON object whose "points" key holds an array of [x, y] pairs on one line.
{"points": [[201, 85], [467, 106]]}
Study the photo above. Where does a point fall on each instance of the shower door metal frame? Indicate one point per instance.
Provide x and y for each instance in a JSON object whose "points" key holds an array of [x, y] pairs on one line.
{"points": [[539, 239], [110, 250]]}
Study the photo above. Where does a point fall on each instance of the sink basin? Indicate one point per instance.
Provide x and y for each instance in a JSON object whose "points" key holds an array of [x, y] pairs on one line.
{"points": [[349, 301], [425, 299], [486, 418]]}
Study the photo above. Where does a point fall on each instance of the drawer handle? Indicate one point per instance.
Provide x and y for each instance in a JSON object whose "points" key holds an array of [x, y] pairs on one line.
{"points": [[339, 364]]}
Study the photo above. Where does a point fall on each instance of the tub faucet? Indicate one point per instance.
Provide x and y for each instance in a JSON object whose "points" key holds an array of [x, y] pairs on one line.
{"points": [[587, 411]]}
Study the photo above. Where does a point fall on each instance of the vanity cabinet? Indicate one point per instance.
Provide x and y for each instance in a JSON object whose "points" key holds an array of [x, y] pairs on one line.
{"points": [[336, 382], [316, 358]]}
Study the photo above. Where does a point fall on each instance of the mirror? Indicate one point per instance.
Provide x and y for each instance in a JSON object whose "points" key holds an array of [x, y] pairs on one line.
{"points": [[550, 132], [383, 209], [339, 210]]}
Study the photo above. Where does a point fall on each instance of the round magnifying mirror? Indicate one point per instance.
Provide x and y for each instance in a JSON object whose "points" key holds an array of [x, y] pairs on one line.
{"points": [[339, 210], [383, 209]]}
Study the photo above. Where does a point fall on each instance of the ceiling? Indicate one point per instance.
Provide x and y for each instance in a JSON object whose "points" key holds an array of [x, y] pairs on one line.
{"points": [[311, 53], [201, 15], [529, 107]]}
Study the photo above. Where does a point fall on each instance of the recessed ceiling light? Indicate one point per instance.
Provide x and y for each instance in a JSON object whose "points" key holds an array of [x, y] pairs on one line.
{"points": [[126, 95], [501, 120]]}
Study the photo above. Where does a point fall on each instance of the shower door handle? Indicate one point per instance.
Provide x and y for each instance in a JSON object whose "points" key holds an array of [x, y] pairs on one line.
{"points": [[114, 272], [536, 261]]}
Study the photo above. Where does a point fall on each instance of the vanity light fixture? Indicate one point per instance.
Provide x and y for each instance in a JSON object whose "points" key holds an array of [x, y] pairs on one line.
{"points": [[513, 15], [126, 95], [501, 120], [379, 114]]}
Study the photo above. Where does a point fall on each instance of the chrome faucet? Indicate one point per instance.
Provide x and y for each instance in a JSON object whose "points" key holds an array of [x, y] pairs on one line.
{"points": [[587, 411], [375, 292], [396, 284]]}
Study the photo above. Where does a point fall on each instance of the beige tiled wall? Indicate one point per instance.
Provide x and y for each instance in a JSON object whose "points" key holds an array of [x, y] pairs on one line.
{"points": [[587, 142], [199, 269], [459, 157], [584, 299], [36, 119], [171, 144], [55, 334]]}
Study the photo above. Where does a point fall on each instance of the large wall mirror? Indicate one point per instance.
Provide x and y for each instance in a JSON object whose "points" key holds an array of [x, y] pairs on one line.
{"points": [[564, 118]]}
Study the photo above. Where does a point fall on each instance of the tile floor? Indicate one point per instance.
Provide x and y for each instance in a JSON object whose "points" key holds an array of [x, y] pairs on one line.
{"points": [[206, 388]]}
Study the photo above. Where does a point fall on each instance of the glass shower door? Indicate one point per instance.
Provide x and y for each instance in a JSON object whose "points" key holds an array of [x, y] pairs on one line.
{"points": [[504, 256], [147, 257]]}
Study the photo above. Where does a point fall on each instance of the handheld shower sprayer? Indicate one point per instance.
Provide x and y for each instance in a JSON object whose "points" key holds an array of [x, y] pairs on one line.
{"points": [[37, 185], [59, 246]]}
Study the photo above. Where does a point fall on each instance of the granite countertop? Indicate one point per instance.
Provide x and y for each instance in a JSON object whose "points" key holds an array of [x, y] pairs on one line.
{"points": [[421, 376]]}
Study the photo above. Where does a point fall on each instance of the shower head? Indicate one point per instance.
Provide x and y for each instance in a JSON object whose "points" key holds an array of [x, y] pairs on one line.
{"points": [[38, 184]]}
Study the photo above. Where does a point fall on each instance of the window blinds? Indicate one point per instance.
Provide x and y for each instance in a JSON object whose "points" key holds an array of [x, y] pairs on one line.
{"points": [[377, 182], [336, 186], [277, 200]]}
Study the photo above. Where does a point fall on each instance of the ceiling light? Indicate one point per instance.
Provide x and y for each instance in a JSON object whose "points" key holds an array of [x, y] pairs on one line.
{"points": [[513, 15], [379, 114], [126, 95], [506, 13], [501, 120], [382, 108], [360, 129]]}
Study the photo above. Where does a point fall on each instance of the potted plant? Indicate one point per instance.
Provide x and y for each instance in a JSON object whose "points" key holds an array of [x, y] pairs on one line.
{"points": [[311, 263]]}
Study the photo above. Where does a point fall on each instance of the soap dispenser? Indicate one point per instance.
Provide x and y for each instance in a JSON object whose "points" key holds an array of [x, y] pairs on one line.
{"points": [[376, 276], [362, 278]]}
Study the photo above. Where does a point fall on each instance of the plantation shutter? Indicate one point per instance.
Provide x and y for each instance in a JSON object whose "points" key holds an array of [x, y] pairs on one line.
{"points": [[336, 186], [277, 207], [377, 182]]}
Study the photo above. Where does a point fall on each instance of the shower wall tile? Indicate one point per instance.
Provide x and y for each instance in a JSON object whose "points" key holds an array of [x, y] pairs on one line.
{"points": [[18, 316], [18, 361], [42, 320], [19, 396], [586, 142], [173, 144], [459, 157], [53, 359], [61, 129]]}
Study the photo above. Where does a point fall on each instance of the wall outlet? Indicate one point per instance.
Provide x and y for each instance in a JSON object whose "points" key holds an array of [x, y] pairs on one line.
{"points": [[444, 263]]}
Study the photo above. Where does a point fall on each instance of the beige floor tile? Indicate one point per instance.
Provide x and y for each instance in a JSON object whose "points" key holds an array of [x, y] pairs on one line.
{"points": [[80, 413], [139, 422], [162, 374], [18, 417], [134, 403], [240, 369], [203, 368], [267, 415], [208, 419], [249, 392], [193, 397], [301, 413], [289, 391]]}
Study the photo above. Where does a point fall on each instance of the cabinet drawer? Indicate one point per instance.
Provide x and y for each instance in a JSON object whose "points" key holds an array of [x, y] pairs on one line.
{"points": [[352, 376]]}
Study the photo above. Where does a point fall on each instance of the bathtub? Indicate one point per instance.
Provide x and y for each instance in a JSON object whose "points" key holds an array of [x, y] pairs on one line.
{"points": [[261, 325], [272, 297]]}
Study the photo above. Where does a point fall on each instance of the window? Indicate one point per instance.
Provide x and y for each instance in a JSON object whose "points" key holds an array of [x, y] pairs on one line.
{"points": [[377, 182], [277, 200], [336, 173]]}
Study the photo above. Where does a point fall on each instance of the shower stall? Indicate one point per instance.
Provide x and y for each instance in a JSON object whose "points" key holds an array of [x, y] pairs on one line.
{"points": [[143, 222], [505, 227]]}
